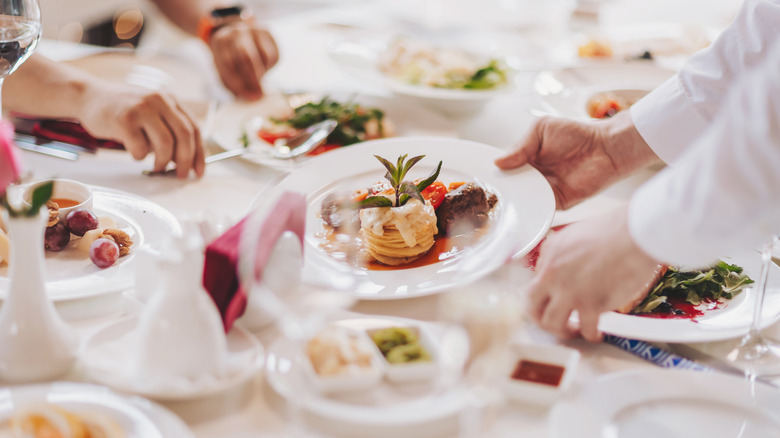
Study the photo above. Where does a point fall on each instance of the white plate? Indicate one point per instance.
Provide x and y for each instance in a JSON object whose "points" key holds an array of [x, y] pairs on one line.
{"points": [[106, 358], [731, 321], [387, 404], [139, 418], [231, 120], [670, 404], [70, 274], [523, 215], [359, 56], [566, 92]]}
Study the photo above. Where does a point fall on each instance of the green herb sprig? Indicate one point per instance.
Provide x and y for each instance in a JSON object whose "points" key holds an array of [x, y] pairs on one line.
{"points": [[40, 196], [720, 281], [403, 190]]}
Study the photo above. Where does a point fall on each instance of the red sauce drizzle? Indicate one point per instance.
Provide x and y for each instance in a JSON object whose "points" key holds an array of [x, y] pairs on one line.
{"points": [[686, 309], [538, 372], [441, 250]]}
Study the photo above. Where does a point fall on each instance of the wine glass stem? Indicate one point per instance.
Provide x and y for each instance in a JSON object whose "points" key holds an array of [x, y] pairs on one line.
{"points": [[766, 261]]}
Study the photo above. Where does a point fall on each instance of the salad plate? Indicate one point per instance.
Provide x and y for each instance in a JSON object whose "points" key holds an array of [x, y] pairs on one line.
{"points": [[137, 417], [386, 404], [670, 403], [519, 220], [70, 274], [235, 119], [730, 321], [571, 91]]}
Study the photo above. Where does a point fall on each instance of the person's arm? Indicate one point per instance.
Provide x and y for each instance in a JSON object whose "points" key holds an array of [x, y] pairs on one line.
{"points": [[145, 121], [674, 115], [243, 50], [723, 196]]}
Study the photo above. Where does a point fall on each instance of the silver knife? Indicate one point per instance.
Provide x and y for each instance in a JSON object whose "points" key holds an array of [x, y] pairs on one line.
{"points": [[46, 150], [713, 362], [31, 139]]}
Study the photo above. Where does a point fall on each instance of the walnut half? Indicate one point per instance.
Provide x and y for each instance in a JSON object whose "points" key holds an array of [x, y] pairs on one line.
{"points": [[119, 237], [54, 213]]}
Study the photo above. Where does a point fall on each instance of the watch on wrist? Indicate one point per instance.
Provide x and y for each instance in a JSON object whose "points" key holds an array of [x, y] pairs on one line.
{"points": [[220, 17]]}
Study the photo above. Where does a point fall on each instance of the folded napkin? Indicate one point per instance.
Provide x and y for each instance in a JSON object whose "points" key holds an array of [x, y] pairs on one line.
{"points": [[64, 131], [221, 276]]}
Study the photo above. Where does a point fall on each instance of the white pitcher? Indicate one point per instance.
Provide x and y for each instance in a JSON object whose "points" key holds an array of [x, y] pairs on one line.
{"points": [[35, 343]]}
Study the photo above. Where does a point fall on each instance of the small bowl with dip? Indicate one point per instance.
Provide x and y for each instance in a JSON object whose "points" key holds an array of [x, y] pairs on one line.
{"points": [[339, 360], [407, 352], [538, 373], [69, 195]]}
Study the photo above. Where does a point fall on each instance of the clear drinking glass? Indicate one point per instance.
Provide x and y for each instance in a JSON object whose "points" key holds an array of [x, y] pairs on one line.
{"points": [[759, 356], [20, 30]]}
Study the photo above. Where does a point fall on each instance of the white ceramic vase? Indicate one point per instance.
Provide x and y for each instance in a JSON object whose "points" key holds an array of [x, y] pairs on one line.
{"points": [[35, 343]]}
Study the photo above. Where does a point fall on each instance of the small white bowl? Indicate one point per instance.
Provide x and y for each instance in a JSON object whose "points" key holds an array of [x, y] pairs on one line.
{"points": [[64, 189], [528, 391], [411, 371], [359, 378]]}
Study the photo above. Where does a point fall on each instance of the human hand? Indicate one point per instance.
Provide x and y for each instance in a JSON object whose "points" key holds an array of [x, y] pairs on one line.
{"points": [[243, 53], [592, 267], [145, 121], [579, 159]]}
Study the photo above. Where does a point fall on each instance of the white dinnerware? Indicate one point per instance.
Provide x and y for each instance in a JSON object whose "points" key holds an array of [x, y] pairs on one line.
{"points": [[64, 189], [519, 221], [534, 392]]}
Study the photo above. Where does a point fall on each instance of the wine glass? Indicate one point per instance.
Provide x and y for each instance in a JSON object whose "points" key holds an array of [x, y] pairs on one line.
{"points": [[759, 355], [20, 30]]}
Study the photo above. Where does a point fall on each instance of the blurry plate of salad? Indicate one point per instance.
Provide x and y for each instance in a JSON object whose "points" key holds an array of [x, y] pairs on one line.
{"points": [[451, 74], [258, 125], [699, 306]]}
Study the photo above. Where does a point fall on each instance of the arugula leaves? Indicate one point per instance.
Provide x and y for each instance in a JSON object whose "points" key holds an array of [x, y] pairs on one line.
{"points": [[720, 281], [403, 190], [351, 117], [490, 76]]}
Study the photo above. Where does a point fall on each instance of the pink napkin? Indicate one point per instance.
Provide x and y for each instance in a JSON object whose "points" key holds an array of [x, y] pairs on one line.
{"points": [[61, 130], [220, 271], [10, 159]]}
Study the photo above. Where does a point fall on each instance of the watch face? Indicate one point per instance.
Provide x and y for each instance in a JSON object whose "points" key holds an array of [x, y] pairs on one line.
{"points": [[226, 12]]}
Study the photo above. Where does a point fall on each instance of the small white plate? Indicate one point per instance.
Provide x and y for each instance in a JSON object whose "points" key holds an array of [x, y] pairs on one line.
{"points": [[665, 403], [138, 418], [732, 320], [386, 404], [106, 362], [521, 218], [359, 56], [70, 274], [232, 119], [566, 92]]}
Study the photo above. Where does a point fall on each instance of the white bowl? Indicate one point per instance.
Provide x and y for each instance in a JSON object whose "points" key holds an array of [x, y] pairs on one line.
{"points": [[357, 380], [64, 189], [528, 391], [411, 371]]}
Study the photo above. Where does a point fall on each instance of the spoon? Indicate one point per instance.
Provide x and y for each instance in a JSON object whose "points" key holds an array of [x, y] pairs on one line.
{"points": [[305, 142]]}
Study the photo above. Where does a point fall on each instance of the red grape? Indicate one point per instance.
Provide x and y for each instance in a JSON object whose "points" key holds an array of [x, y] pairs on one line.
{"points": [[56, 237], [81, 221], [104, 252]]}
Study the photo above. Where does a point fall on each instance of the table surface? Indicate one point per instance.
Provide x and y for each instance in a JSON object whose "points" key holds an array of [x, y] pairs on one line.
{"points": [[304, 34]]}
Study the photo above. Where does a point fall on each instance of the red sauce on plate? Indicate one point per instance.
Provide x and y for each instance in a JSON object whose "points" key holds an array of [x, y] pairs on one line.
{"points": [[441, 250], [684, 309], [65, 202], [538, 372]]}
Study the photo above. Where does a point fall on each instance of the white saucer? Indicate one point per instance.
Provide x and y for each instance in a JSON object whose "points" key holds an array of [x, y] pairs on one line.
{"points": [[106, 357], [137, 417]]}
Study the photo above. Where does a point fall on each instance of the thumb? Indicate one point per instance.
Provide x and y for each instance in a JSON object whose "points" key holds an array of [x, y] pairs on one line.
{"points": [[524, 152]]}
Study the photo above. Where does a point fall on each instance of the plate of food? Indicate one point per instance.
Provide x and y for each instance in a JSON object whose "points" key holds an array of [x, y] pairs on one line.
{"points": [[373, 371], [400, 226], [669, 403], [596, 91], [65, 409], [258, 125], [698, 305], [73, 268], [453, 78]]}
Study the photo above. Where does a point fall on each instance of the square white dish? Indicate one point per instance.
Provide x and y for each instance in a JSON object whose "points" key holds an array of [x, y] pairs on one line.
{"points": [[528, 391]]}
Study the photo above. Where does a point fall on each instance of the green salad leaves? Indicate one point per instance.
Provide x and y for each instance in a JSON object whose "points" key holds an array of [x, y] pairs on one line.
{"points": [[720, 281], [486, 78], [352, 119]]}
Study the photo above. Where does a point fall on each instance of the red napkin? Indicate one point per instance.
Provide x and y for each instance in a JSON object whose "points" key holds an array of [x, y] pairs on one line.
{"points": [[220, 271], [61, 130]]}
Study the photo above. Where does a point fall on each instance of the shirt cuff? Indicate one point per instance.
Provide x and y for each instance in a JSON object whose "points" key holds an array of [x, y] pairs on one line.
{"points": [[667, 120], [661, 231]]}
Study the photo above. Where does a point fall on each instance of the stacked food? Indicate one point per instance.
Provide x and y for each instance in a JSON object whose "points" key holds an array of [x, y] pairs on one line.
{"points": [[50, 421]]}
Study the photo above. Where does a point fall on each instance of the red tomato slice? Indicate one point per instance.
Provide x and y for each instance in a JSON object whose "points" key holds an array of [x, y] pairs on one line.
{"points": [[435, 193]]}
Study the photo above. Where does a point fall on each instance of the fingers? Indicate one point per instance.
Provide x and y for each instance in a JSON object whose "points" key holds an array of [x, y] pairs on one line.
{"points": [[243, 54], [526, 150], [589, 325]]}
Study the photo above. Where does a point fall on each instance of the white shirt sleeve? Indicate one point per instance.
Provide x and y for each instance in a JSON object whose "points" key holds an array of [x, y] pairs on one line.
{"points": [[723, 194], [673, 116]]}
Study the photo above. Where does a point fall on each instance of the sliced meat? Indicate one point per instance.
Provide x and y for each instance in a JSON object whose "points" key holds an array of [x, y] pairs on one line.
{"points": [[334, 211], [467, 207]]}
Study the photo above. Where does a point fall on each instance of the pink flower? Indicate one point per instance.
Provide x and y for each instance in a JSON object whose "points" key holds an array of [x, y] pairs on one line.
{"points": [[10, 158]]}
